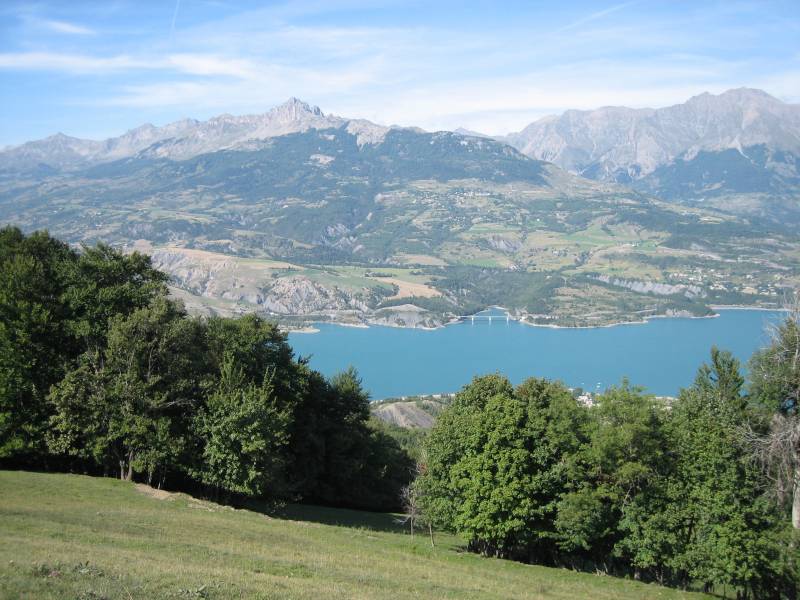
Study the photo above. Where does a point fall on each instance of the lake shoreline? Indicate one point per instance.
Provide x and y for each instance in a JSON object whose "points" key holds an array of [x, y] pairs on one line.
{"points": [[312, 328], [621, 323], [743, 307]]}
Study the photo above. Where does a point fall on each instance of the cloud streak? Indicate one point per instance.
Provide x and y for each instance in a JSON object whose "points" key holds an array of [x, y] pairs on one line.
{"points": [[67, 28], [81, 64], [595, 16], [174, 19]]}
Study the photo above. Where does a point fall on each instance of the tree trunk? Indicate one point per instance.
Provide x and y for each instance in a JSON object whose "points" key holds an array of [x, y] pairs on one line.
{"points": [[430, 531], [129, 476], [796, 499]]}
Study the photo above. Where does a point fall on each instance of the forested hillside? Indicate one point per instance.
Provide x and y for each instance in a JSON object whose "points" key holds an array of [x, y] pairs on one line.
{"points": [[100, 372]]}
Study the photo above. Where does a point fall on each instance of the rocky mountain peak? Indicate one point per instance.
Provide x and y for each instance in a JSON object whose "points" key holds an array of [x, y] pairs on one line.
{"points": [[295, 109], [742, 94]]}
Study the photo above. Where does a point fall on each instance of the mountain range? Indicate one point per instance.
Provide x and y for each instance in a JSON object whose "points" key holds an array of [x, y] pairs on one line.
{"points": [[738, 151], [713, 148], [620, 143], [588, 218], [179, 140]]}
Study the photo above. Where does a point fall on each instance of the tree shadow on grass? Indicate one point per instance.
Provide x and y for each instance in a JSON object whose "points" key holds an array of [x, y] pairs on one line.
{"points": [[342, 517]]}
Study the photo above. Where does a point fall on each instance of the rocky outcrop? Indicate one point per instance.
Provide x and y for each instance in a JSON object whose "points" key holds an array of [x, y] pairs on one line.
{"points": [[419, 412], [212, 275], [405, 315], [652, 287], [404, 414], [300, 296], [503, 244]]}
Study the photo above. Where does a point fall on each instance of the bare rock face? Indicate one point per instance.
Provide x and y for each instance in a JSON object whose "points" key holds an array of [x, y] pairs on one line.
{"points": [[216, 276], [417, 413], [502, 244], [299, 296], [652, 287], [404, 414], [618, 143]]}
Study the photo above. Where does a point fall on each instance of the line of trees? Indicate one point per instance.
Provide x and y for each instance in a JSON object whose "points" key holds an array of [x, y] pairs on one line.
{"points": [[677, 492], [101, 372]]}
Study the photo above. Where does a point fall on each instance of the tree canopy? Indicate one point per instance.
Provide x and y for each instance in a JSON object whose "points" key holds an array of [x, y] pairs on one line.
{"points": [[634, 485]]}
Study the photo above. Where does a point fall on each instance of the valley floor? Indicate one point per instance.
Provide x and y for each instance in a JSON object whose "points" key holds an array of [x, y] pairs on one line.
{"points": [[70, 536]]}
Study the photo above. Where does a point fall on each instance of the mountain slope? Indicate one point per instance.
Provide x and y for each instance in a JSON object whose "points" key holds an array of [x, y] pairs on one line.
{"points": [[407, 228]]}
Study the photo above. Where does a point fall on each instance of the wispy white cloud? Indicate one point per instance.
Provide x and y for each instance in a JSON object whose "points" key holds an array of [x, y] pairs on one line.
{"points": [[174, 18], [383, 75], [68, 28], [184, 63], [259, 85], [785, 85], [209, 65]]}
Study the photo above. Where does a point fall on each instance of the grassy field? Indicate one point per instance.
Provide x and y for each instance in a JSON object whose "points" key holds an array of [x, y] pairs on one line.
{"points": [[70, 536]]}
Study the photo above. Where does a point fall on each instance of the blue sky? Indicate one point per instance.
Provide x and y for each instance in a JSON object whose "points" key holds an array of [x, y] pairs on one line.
{"points": [[96, 69]]}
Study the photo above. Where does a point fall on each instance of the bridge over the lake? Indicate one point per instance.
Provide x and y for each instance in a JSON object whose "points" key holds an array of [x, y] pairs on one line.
{"points": [[490, 318]]}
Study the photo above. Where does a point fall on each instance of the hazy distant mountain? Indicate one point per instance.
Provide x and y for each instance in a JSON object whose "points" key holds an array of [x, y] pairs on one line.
{"points": [[620, 144], [180, 140], [738, 151], [470, 132]]}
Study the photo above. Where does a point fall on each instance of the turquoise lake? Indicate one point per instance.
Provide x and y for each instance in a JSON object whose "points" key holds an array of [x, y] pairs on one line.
{"points": [[661, 354]]}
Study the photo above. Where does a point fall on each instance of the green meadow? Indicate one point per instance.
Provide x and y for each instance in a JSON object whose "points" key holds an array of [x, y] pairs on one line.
{"points": [[72, 536]]}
